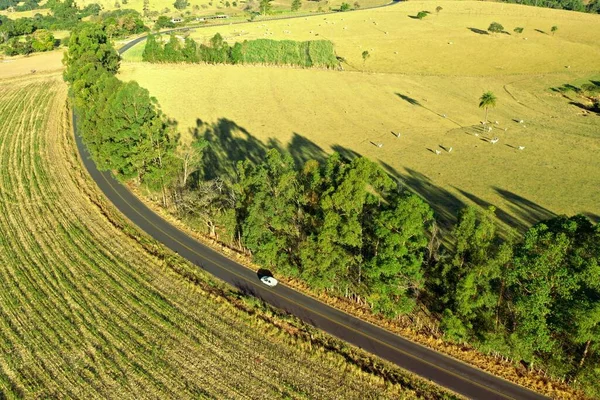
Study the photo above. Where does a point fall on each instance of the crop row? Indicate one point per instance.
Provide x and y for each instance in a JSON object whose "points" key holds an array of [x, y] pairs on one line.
{"points": [[86, 311]]}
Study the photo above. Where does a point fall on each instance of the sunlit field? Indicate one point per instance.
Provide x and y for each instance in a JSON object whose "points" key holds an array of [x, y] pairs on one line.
{"points": [[423, 80], [92, 309]]}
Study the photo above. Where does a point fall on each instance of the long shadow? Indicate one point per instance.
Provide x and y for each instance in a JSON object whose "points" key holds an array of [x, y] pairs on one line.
{"points": [[478, 31], [228, 143], [527, 212], [302, 150], [347, 154], [540, 31], [409, 99], [585, 107], [444, 204], [592, 216], [500, 213], [567, 87]]}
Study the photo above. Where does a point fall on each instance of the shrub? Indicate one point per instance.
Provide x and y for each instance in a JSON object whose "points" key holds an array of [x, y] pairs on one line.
{"points": [[345, 7], [422, 14], [495, 27]]}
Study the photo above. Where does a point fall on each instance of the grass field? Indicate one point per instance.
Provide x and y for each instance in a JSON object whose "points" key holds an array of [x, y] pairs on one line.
{"points": [[210, 7], [91, 310], [50, 61], [315, 111]]}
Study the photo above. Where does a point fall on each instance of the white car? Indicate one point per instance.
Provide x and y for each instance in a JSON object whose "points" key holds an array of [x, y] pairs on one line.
{"points": [[269, 281]]}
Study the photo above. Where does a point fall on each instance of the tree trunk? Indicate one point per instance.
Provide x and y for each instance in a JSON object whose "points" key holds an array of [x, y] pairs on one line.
{"points": [[164, 196], [587, 347], [499, 302], [185, 170], [486, 114]]}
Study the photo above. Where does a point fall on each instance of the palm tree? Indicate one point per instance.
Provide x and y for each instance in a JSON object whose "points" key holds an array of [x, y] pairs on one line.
{"points": [[487, 100]]}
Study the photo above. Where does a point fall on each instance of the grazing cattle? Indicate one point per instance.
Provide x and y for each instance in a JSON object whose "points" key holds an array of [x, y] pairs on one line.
{"points": [[521, 147], [494, 140], [438, 152]]}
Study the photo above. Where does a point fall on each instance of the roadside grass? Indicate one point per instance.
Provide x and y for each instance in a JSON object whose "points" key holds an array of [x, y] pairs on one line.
{"points": [[92, 308]]}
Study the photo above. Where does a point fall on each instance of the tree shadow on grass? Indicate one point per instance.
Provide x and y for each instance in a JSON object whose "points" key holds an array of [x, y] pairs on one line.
{"points": [[444, 204], [526, 211], [593, 217], [585, 107], [409, 99], [540, 31], [478, 31], [347, 154], [302, 150], [502, 215], [228, 143]]}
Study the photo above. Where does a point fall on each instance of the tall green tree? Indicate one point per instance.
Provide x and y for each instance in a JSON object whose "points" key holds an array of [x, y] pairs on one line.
{"points": [[555, 278], [271, 229], [395, 242], [172, 50], [153, 50], [136, 141], [265, 6], [473, 276], [88, 44], [190, 51], [487, 100], [296, 4], [332, 255]]}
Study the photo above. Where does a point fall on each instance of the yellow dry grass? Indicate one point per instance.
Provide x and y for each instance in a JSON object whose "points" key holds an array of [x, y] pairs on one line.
{"points": [[91, 310], [24, 14], [410, 92], [210, 7], [11, 67]]}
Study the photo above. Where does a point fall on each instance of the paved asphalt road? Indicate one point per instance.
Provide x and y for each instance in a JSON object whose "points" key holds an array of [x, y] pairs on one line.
{"points": [[443, 370]]}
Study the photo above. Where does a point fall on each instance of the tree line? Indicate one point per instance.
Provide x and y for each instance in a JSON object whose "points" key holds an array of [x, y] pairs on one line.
{"points": [[592, 6], [28, 35], [344, 226], [315, 53]]}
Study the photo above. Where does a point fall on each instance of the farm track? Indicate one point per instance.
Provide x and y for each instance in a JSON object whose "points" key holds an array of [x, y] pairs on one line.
{"points": [[86, 311]]}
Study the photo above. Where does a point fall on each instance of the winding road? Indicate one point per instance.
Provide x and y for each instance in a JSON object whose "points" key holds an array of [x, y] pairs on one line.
{"points": [[429, 364]]}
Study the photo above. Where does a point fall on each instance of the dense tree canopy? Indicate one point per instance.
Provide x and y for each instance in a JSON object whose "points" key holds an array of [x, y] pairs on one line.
{"points": [[346, 227]]}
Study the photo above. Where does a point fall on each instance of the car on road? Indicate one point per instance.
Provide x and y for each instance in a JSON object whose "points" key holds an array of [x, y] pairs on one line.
{"points": [[269, 281]]}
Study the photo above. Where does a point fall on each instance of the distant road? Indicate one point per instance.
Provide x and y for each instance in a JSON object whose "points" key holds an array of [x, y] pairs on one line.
{"points": [[129, 45], [429, 364]]}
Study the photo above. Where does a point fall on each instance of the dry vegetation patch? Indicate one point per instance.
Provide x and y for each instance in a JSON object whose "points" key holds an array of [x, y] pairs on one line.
{"points": [[91, 308], [11, 67]]}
